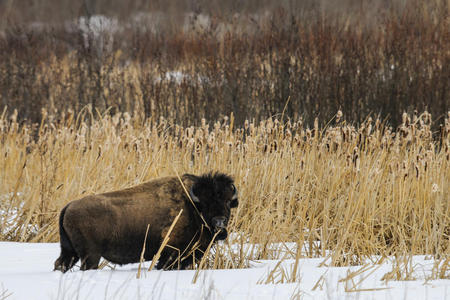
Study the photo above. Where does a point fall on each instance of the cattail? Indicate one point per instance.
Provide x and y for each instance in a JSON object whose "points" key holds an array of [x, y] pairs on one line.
{"points": [[308, 134], [316, 126], [288, 134], [378, 124], [355, 156], [338, 116], [369, 127], [191, 143], [404, 118], [405, 169], [427, 118], [252, 129], [434, 188]]}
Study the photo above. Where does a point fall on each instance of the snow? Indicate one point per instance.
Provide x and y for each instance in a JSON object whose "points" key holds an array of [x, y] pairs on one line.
{"points": [[179, 77], [26, 273]]}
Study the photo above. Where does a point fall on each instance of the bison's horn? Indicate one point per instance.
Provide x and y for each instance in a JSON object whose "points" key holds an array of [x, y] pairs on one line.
{"points": [[193, 197], [235, 195]]}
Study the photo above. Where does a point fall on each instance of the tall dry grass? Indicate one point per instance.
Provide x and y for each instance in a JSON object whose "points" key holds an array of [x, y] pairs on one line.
{"points": [[347, 192]]}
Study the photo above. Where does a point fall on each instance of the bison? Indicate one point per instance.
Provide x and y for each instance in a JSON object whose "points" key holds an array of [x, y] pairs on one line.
{"points": [[114, 225]]}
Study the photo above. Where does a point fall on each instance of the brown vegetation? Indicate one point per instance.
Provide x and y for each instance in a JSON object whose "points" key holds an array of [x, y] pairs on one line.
{"points": [[305, 60]]}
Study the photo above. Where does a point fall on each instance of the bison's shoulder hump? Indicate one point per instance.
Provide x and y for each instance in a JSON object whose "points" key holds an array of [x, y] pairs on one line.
{"points": [[213, 179]]}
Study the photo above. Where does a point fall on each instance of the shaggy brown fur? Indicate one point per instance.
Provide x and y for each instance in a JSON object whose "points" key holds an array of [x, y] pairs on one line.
{"points": [[113, 225]]}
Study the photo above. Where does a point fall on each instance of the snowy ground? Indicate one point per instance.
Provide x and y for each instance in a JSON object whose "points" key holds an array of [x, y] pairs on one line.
{"points": [[26, 273]]}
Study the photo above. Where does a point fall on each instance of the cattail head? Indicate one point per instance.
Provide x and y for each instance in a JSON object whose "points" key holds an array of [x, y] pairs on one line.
{"points": [[338, 116]]}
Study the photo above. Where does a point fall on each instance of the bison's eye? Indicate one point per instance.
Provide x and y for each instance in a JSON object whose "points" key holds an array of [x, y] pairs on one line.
{"points": [[233, 188]]}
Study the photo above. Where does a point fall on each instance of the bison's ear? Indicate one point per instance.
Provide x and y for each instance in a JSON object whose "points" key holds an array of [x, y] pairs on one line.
{"points": [[234, 203], [193, 197]]}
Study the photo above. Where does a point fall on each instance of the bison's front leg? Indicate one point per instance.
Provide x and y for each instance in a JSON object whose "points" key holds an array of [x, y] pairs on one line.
{"points": [[188, 262], [169, 260], [174, 262]]}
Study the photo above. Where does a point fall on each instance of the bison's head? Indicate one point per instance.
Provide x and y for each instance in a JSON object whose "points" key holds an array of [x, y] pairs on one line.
{"points": [[214, 195]]}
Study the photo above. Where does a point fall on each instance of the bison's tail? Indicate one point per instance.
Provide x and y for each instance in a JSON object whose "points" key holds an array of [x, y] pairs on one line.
{"points": [[66, 244], [68, 255]]}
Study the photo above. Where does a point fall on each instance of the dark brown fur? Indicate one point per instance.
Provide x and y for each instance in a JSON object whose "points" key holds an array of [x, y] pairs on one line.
{"points": [[113, 225]]}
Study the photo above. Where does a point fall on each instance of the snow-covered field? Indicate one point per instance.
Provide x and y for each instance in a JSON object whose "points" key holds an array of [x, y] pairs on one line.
{"points": [[26, 273]]}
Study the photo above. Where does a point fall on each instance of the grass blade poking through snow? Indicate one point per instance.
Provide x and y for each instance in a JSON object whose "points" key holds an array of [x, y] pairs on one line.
{"points": [[141, 260], [165, 241]]}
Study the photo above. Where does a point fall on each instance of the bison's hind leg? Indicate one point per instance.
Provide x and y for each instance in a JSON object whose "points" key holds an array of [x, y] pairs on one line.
{"points": [[66, 261], [90, 262]]}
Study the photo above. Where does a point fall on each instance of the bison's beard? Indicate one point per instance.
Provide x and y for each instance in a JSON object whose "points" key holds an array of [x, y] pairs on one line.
{"points": [[222, 233]]}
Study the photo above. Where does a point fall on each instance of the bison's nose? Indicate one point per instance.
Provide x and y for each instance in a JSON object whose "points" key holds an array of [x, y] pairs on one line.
{"points": [[219, 222]]}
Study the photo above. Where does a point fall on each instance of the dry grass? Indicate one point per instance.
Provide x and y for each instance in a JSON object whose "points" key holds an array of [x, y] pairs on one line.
{"points": [[359, 191]]}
